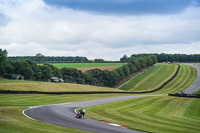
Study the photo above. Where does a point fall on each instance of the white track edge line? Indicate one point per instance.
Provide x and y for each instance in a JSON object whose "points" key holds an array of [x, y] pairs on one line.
{"points": [[23, 111]]}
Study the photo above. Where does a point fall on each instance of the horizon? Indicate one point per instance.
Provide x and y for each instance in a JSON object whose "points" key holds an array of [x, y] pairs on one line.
{"points": [[100, 58]]}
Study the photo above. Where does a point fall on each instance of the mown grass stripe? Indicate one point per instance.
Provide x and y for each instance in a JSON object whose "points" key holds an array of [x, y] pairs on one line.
{"points": [[153, 114], [185, 78], [152, 79]]}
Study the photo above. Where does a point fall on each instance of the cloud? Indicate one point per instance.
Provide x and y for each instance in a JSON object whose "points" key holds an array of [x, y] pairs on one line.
{"points": [[35, 27]]}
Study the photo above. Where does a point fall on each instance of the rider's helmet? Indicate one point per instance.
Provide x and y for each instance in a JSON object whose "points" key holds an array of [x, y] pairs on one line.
{"points": [[84, 110]]}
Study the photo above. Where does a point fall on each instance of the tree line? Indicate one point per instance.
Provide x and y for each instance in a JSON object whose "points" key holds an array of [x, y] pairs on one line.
{"points": [[31, 71], [166, 57], [41, 58]]}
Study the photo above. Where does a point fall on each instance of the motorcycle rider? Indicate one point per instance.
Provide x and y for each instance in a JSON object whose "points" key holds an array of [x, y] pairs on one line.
{"points": [[82, 112]]}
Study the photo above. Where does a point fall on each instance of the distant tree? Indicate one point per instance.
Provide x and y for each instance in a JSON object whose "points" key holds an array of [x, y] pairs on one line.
{"points": [[120, 72], [116, 76], [96, 76], [132, 68], [46, 72], [149, 61], [10, 67], [3, 61], [35, 69], [153, 58], [55, 71], [39, 58], [126, 70], [125, 58], [24, 68], [143, 62], [99, 60], [73, 75], [136, 63]]}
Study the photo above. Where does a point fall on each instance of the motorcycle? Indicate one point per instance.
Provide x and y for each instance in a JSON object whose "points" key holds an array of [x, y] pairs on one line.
{"points": [[79, 115]]}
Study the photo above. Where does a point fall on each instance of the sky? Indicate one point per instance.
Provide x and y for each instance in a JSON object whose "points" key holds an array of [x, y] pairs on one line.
{"points": [[106, 29]]}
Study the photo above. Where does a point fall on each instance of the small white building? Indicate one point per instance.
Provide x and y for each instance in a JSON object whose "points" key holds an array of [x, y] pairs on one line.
{"points": [[56, 80]]}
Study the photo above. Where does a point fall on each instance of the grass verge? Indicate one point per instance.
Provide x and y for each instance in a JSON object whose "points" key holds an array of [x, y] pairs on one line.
{"points": [[152, 114], [17, 85]]}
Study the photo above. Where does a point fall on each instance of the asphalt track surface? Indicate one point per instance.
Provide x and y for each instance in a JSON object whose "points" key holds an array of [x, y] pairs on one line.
{"points": [[196, 84], [64, 115]]}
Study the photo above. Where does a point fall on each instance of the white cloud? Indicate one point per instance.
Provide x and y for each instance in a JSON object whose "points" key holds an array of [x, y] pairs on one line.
{"points": [[35, 27]]}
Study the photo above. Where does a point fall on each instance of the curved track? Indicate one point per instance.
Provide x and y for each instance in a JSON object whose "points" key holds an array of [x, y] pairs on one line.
{"points": [[64, 115], [196, 84]]}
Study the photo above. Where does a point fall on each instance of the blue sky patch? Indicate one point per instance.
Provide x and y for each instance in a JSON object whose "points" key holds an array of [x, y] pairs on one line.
{"points": [[3, 20], [127, 7]]}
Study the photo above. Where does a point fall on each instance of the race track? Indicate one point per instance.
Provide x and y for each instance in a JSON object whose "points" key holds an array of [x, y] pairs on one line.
{"points": [[64, 115], [196, 84]]}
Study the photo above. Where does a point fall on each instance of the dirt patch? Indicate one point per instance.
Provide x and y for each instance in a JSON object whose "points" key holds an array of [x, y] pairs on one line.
{"points": [[110, 68]]}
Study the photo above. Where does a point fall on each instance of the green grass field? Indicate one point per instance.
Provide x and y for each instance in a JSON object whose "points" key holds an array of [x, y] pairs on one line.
{"points": [[186, 77], [151, 79], [12, 120], [18, 85], [84, 65], [161, 114], [155, 77]]}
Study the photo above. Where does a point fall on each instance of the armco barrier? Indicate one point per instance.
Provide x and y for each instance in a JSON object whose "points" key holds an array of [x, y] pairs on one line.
{"points": [[84, 92], [89, 92], [185, 95]]}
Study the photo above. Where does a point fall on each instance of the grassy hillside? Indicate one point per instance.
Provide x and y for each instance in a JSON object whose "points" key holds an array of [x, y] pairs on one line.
{"points": [[18, 85], [152, 114], [12, 120], [155, 77], [186, 77], [151, 79], [84, 65]]}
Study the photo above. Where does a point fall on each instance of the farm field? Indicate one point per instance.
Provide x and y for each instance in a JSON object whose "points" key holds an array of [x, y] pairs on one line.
{"points": [[86, 65], [163, 114], [151, 79], [17, 85], [12, 120]]}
